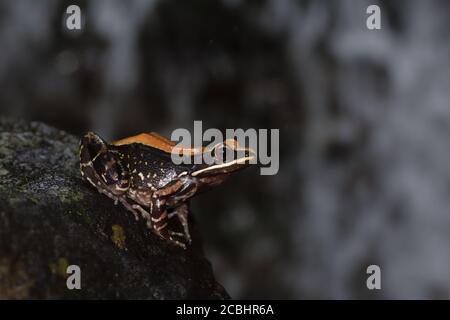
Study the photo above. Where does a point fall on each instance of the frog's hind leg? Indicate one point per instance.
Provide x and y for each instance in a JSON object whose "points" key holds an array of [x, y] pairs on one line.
{"points": [[158, 223], [182, 214]]}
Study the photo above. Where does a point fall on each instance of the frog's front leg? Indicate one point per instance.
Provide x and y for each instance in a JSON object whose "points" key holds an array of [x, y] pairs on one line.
{"points": [[130, 207], [134, 208]]}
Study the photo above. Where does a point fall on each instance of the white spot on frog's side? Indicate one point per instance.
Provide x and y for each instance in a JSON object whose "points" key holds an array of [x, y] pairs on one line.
{"points": [[134, 171], [141, 176], [154, 175]]}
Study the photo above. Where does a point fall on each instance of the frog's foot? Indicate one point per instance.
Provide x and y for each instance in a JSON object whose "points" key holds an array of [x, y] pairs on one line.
{"points": [[182, 213], [170, 236]]}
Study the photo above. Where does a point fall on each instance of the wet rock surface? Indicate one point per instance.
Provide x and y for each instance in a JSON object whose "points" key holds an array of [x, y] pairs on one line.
{"points": [[50, 219]]}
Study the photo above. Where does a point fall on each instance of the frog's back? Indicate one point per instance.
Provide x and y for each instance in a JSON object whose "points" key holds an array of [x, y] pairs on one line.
{"points": [[148, 167]]}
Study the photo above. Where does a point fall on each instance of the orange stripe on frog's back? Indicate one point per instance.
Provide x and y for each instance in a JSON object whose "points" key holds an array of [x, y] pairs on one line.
{"points": [[155, 140]]}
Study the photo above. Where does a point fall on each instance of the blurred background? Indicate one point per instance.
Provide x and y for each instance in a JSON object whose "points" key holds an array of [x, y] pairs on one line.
{"points": [[364, 121]]}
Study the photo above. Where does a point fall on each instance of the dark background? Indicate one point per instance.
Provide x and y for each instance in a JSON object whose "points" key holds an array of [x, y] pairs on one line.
{"points": [[363, 115]]}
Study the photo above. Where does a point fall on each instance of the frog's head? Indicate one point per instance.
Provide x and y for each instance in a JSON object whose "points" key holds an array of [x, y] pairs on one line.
{"points": [[228, 157], [102, 167]]}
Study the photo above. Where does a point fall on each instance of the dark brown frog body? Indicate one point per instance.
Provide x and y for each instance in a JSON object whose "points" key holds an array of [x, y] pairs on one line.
{"points": [[139, 173]]}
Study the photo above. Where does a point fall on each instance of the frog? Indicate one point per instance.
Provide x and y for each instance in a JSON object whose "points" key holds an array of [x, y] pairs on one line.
{"points": [[139, 173]]}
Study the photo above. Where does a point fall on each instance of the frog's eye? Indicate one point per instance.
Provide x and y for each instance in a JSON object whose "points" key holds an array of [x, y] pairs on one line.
{"points": [[109, 169], [112, 175]]}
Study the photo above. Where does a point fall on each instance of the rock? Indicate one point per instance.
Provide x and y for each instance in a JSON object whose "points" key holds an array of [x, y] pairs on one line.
{"points": [[50, 219]]}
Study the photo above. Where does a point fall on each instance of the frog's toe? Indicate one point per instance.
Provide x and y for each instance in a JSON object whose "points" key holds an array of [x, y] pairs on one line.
{"points": [[173, 234], [171, 237], [186, 236], [178, 234], [178, 243]]}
